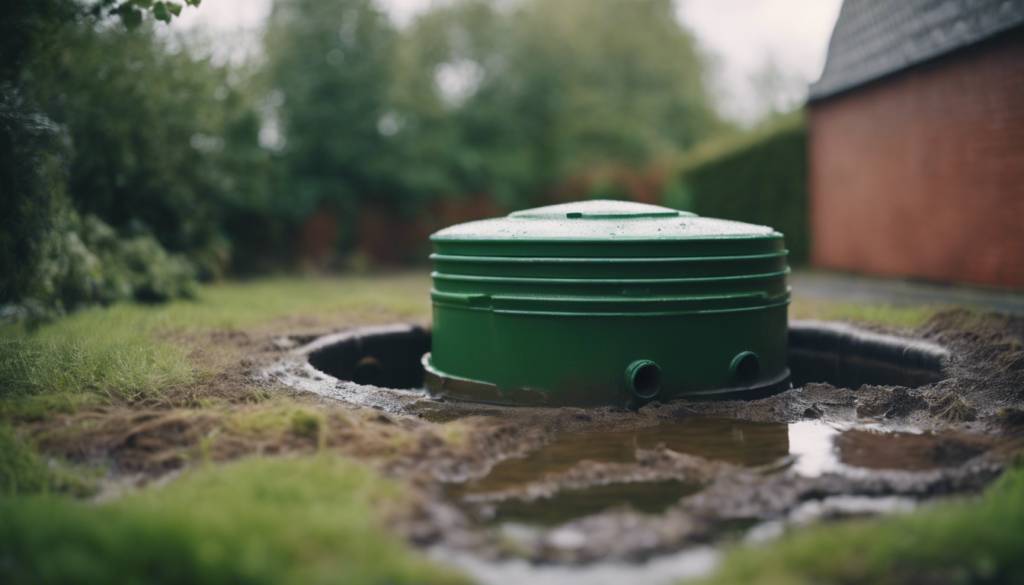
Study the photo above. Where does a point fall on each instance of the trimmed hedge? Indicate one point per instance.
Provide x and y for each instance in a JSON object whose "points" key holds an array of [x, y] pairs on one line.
{"points": [[760, 179]]}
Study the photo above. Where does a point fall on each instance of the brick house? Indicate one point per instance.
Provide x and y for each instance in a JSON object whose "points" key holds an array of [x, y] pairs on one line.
{"points": [[916, 142]]}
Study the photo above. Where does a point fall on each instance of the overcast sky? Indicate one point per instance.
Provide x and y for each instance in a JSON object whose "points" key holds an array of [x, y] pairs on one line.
{"points": [[743, 36]]}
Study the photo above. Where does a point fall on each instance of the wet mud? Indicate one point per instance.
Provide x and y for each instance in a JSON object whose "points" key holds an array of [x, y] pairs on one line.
{"points": [[881, 420]]}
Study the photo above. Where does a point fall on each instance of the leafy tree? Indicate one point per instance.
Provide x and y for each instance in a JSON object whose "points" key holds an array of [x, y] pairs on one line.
{"points": [[132, 12], [162, 140], [331, 63], [485, 102], [543, 89], [631, 75], [501, 99], [104, 125], [477, 97]]}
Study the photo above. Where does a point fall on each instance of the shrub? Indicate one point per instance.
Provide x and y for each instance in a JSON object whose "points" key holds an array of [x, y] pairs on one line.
{"points": [[32, 178], [51, 258], [86, 262]]}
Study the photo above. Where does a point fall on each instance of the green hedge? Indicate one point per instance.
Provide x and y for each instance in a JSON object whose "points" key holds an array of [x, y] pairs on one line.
{"points": [[760, 178]]}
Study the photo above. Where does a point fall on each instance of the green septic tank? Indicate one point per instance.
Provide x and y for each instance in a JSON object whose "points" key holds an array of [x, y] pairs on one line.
{"points": [[607, 303]]}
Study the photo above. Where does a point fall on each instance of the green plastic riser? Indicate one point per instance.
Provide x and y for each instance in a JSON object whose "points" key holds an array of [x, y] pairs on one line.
{"points": [[607, 303]]}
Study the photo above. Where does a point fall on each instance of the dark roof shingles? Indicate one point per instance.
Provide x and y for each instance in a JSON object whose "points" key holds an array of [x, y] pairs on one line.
{"points": [[873, 38]]}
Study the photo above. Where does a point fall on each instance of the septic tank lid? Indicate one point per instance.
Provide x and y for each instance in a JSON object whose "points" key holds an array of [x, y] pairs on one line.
{"points": [[605, 229]]}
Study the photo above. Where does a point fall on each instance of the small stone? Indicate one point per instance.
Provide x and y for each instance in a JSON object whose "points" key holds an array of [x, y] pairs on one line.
{"points": [[567, 538]]}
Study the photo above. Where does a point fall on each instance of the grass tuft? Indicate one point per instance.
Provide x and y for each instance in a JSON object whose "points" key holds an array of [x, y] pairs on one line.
{"points": [[306, 423], [107, 361], [970, 542], [261, 420], [259, 521], [953, 408], [36, 408], [21, 470]]}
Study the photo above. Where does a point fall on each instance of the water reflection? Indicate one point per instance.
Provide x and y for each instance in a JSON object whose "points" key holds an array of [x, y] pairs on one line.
{"points": [[807, 448], [647, 497], [829, 448], [689, 564], [739, 442], [811, 442]]}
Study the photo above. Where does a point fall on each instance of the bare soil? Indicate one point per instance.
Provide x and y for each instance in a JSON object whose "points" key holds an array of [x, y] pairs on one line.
{"points": [[944, 440]]}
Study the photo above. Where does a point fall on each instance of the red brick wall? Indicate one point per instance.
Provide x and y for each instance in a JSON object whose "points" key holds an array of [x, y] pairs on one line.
{"points": [[389, 239], [922, 174]]}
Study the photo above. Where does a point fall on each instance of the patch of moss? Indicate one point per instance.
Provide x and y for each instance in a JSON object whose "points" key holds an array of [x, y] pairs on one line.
{"points": [[262, 420], [275, 417], [306, 423], [260, 521]]}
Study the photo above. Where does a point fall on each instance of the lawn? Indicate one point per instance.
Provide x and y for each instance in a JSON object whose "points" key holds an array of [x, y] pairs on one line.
{"points": [[272, 521], [317, 513], [130, 352], [310, 518]]}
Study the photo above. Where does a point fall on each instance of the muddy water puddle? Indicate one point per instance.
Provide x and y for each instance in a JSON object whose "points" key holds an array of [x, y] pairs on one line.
{"points": [[739, 442], [583, 474], [505, 494], [669, 488], [689, 564], [565, 505]]}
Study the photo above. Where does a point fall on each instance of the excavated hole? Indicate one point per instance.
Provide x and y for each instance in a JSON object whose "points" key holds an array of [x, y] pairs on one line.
{"points": [[588, 474], [837, 354], [833, 353], [384, 357]]}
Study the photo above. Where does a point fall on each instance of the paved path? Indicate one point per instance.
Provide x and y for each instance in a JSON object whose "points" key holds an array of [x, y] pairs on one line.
{"points": [[835, 286]]}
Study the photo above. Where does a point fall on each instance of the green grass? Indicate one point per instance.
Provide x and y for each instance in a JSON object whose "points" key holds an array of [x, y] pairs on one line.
{"points": [[240, 304], [316, 520], [126, 353], [116, 352], [971, 542], [887, 314], [259, 521], [81, 356], [883, 314], [21, 470]]}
